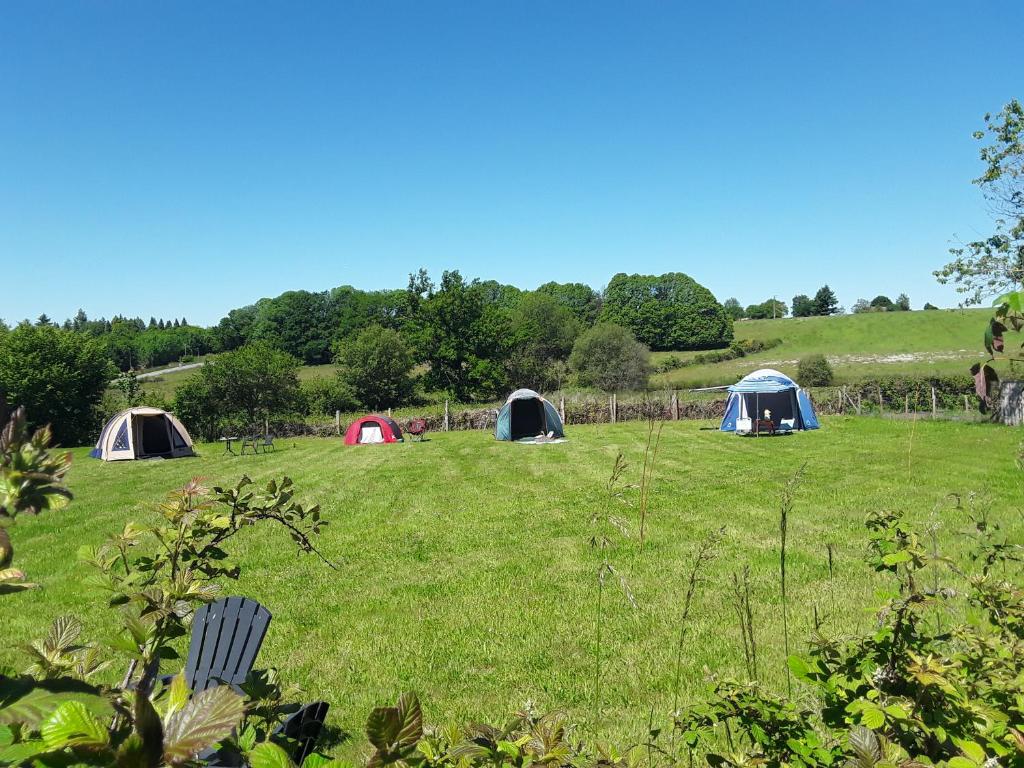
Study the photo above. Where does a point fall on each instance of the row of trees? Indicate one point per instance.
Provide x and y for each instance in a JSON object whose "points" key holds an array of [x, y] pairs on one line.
{"points": [[884, 304], [824, 303], [376, 369], [461, 323]]}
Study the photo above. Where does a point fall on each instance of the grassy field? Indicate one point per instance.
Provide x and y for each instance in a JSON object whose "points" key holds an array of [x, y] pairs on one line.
{"points": [[465, 570], [859, 346]]}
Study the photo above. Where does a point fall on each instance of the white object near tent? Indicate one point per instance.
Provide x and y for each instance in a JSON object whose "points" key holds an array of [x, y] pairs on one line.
{"points": [[143, 433]]}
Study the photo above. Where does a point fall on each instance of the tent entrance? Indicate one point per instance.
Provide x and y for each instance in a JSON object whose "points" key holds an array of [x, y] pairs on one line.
{"points": [[527, 418], [155, 438], [370, 433], [783, 405]]}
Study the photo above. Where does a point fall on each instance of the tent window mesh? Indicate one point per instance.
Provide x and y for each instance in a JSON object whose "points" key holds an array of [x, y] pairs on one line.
{"points": [[121, 441]]}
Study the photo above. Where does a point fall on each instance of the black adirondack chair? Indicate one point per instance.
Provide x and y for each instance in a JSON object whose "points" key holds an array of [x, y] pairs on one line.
{"points": [[226, 636], [304, 728]]}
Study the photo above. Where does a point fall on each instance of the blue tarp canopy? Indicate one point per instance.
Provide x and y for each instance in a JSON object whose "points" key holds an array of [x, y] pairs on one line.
{"points": [[769, 390]]}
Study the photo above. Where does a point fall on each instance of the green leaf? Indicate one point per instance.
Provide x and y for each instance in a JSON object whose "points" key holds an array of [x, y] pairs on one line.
{"points": [[149, 729], [893, 558], [798, 667], [872, 717], [19, 753], [178, 694], [382, 727], [71, 725], [971, 750], [132, 753], [411, 717], [269, 755], [961, 762], [208, 718]]}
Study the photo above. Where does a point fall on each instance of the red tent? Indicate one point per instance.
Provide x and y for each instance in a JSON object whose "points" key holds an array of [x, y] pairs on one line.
{"points": [[373, 429]]}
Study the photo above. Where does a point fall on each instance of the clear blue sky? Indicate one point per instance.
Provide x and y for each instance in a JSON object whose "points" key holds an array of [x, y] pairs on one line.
{"points": [[185, 158]]}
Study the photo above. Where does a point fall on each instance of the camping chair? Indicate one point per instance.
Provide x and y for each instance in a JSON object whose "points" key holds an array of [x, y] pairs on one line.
{"points": [[267, 443], [417, 428], [250, 441], [303, 728], [226, 636]]}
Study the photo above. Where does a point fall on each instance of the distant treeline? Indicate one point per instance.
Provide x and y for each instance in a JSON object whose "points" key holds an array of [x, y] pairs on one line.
{"points": [[667, 312]]}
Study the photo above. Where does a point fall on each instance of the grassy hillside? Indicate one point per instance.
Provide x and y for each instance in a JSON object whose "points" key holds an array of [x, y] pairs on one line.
{"points": [[859, 346], [465, 570]]}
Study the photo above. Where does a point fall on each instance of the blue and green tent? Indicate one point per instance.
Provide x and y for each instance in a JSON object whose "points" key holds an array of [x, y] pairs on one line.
{"points": [[767, 389], [526, 415]]}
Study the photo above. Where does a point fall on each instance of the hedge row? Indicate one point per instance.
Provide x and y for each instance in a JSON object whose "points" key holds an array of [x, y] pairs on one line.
{"points": [[828, 401]]}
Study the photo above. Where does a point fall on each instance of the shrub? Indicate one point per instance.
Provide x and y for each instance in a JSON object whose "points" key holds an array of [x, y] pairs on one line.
{"points": [[324, 396], [241, 388], [59, 376], [814, 371], [610, 358], [376, 366], [929, 305]]}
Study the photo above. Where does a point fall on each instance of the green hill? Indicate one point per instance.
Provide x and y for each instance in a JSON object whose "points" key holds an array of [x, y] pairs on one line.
{"points": [[858, 346]]}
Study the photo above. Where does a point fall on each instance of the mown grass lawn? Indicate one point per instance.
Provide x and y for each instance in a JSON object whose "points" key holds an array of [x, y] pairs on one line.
{"points": [[465, 571]]}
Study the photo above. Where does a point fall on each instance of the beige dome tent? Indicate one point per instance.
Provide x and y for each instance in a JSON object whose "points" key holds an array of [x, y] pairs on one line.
{"points": [[143, 433]]}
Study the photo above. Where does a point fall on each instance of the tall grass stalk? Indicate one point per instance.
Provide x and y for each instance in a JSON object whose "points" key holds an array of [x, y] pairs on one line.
{"points": [[647, 472], [830, 549], [745, 613], [706, 552], [786, 506], [606, 524]]}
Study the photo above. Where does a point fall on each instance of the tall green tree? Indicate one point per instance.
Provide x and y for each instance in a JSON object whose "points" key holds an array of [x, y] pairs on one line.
{"points": [[995, 264], [376, 365], [59, 376], [462, 338], [582, 300], [803, 306], [671, 311], [242, 387], [734, 309], [543, 331], [825, 302]]}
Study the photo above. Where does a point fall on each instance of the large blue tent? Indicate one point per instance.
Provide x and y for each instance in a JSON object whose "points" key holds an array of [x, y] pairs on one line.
{"points": [[768, 390], [527, 415]]}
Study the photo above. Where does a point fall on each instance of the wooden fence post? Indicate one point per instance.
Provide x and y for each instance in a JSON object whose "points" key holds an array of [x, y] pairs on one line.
{"points": [[389, 413], [611, 409], [966, 407], [561, 408], [445, 415], [906, 403], [266, 427], [337, 422], [675, 405], [935, 406]]}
